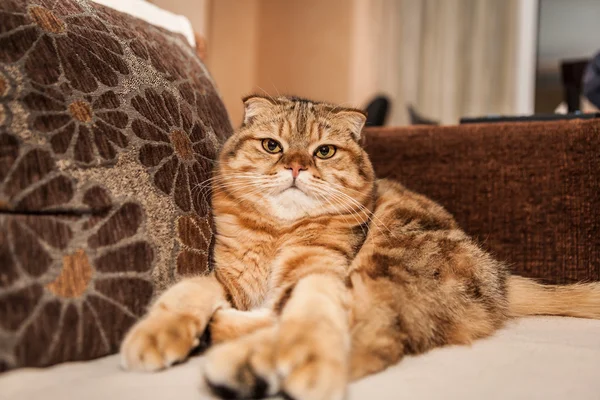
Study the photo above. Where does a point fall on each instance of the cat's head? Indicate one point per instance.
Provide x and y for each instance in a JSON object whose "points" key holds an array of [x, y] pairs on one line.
{"points": [[297, 158]]}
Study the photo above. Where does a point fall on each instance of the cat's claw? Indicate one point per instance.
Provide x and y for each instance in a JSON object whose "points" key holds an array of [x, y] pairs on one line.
{"points": [[158, 341]]}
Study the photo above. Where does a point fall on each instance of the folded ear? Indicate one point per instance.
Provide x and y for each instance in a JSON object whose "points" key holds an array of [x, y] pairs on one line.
{"points": [[255, 105], [353, 119]]}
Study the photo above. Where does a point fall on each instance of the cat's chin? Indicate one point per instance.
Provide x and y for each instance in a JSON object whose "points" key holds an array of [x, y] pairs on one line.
{"points": [[293, 204]]}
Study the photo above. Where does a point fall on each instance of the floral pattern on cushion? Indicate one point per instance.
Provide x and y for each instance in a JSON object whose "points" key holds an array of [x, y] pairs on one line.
{"points": [[90, 128], [176, 147], [61, 289], [195, 236], [29, 179], [77, 46]]}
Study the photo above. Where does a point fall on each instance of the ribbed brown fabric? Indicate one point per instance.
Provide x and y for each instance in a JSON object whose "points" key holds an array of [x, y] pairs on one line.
{"points": [[529, 192]]}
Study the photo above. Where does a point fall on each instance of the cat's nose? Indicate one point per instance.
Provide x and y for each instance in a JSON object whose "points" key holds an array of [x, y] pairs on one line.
{"points": [[295, 168]]}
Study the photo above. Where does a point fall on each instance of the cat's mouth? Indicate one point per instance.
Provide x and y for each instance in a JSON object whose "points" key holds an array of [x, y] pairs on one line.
{"points": [[293, 187]]}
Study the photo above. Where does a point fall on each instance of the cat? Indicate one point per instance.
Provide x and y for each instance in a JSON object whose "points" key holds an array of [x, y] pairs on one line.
{"points": [[324, 274]]}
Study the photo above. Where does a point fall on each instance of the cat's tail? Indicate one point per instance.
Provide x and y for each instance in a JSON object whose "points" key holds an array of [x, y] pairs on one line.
{"points": [[528, 297]]}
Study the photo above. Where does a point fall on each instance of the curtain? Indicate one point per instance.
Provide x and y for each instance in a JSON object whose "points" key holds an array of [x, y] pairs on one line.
{"points": [[448, 58]]}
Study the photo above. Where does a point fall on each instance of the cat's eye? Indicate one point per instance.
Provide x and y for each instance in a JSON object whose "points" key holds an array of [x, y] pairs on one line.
{"points": [[326, 151], [271, 146]]}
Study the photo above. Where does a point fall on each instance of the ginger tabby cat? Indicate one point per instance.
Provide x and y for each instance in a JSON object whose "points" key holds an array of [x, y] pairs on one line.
{"points": [[324, 274]]}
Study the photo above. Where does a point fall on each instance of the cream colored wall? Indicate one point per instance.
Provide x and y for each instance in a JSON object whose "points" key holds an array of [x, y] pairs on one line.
{"points": [[304, 48], [232, 51], [300, 47]]}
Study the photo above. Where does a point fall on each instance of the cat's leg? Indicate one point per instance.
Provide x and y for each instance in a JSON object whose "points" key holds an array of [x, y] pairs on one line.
{"points": [[379, 336], [314, 339], [173, 325], [306, 355]]}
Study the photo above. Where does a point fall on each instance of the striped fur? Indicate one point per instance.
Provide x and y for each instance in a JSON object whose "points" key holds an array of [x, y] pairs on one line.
{"points": [[329, 276]]}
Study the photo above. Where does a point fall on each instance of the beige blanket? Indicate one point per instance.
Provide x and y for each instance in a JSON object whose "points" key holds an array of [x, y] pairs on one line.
{"points": [[534, 358]]}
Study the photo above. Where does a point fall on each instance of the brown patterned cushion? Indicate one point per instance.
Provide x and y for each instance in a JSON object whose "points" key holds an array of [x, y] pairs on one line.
{"points": [[108, 127]]}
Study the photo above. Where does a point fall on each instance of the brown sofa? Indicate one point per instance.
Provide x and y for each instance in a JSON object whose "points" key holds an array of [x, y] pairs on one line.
{"points": [[529, 192], [109, 126]]}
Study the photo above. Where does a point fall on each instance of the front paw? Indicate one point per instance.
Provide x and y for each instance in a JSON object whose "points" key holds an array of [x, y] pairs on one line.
{"points": [[160, 340], [297, 360], [312, 362], [243, 368]]}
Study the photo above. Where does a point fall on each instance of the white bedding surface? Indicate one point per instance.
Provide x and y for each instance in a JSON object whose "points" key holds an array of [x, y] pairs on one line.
{"points": [[532, 358]]}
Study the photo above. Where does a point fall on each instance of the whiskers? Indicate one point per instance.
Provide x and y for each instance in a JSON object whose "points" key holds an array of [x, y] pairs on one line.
{"points": [[349, 205], [242, 185]]}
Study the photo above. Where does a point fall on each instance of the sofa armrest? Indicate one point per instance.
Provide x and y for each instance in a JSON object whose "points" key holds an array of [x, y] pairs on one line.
{"points": [[528, 192]]}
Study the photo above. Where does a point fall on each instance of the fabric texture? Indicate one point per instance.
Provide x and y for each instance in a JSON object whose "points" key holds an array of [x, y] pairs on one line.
{"points": [[533, 358], [108, 126], [528, 192]]}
